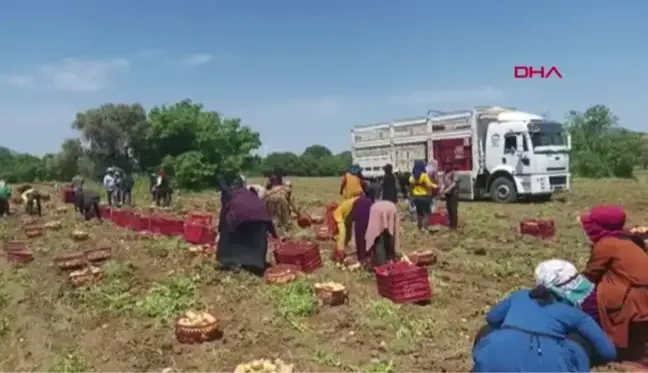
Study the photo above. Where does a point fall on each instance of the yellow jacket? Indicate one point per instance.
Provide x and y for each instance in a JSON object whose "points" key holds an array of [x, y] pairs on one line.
{"points": [[422, 186], [351, 186]]}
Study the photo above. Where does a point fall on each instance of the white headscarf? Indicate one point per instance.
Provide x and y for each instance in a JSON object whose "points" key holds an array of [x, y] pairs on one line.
{"points": [[431, 167], [562, 278], [2, 183]]}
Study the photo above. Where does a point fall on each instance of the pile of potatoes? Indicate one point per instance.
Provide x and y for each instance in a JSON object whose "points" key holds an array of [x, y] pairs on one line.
{"points": [[265, 366]]}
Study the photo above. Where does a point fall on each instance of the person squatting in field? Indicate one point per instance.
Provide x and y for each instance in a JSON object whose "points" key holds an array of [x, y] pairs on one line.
{"points": [[358, 219], [88, 204], [618, 267], [543, 329], [422, 189], [244, 225], [5, 195], [279, 204], [32, 200]]}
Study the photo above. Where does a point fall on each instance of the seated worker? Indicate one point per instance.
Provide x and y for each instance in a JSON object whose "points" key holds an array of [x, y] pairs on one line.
{"points": [[32, 200], [619, 268], [90, 205], [421, 189], [244, 226], [543, 329], [382, 232], [5, 195], [352, 184]]}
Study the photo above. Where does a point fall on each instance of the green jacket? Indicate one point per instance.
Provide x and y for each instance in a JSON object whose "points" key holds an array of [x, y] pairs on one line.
{"points": [[5, 192]]}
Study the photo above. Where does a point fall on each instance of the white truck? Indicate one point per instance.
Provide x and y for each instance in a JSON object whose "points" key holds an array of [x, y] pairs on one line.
{"points": [[501, 153]]}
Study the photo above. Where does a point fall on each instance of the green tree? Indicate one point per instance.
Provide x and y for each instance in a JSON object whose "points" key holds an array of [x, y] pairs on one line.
{"points": [[197, 145], [600, 148], [114, 134]]}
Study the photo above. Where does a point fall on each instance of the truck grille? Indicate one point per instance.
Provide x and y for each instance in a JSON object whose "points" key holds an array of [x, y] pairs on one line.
{"points": [[554, 169], [557, 180]]}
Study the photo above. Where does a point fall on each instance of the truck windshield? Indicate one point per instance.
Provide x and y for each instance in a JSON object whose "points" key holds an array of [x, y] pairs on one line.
{"points": [[548, 139], [547, 134]]}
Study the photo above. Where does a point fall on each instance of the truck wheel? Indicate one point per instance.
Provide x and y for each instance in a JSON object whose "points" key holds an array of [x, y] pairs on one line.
{"points": [[503, 191]]}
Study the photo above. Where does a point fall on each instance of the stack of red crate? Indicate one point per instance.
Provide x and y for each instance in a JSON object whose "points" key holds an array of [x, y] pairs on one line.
{"points": [[403, 282], [305, 255]]}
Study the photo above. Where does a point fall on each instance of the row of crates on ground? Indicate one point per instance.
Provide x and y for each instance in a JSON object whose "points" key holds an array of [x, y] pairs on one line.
{"points": [[197, 228]]}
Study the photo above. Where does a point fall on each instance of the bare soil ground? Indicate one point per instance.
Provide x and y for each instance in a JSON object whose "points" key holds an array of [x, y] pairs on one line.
{"points": [[123, 323]]}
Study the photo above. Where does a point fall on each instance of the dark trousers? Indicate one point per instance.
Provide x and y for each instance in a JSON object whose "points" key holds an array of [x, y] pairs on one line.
{"points": [[4, 206], [162, 196], [109, 197], [452, 206], [383, 250], [126, 196]]}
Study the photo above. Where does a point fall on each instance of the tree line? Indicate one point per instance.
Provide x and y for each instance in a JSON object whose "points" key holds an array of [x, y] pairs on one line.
{"points": [[195, 145]]}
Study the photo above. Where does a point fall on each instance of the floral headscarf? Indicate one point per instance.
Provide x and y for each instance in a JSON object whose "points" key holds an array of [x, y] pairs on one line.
{"points": [[562, 279]]}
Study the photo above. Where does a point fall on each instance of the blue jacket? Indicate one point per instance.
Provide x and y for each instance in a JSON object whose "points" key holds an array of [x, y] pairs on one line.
{"points": [[532, 338]]}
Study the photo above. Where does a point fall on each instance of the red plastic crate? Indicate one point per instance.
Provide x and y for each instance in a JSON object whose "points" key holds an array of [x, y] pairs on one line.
{"points": [[120, 217], [198, 234], [68, 194], [305, 255], [538, 228], [171, 226], [403, 282], [156, 224], [139, 222], [200, 218], [105, 211], [439, 218]]}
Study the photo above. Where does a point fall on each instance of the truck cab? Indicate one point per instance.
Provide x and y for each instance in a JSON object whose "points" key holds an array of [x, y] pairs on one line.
{"points": [[525, 155]]}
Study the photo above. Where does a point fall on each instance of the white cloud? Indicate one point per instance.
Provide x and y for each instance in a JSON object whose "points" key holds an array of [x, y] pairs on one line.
{"points": [[197, 59], [422, 97], [71, 74]]}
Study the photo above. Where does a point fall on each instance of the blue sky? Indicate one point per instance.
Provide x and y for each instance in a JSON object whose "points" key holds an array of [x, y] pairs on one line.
{"points": [[304, 72]]}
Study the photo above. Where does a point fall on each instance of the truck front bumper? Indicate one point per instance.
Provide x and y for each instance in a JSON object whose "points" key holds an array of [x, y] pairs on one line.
{"points": [[543, 184]]}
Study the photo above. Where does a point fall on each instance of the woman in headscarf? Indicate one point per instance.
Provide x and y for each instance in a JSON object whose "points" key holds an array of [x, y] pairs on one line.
{"points": [[619, 268], [243, 227], [5, 195], [382, 233], [422, 188], [278, 202], [543, 329], [389, 191], [352, 183], [360, 219], [450, 193]]}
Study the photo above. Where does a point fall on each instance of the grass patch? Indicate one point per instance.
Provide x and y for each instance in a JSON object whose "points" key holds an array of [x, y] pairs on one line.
{"points": [[70, 363], [294, 300], [165, 300]]}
